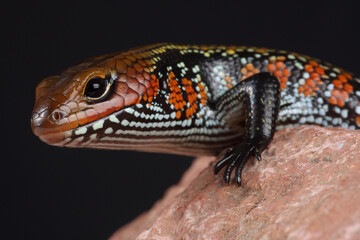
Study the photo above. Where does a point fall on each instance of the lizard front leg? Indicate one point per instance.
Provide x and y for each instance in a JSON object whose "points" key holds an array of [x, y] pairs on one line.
{"points": [[261, 95]]}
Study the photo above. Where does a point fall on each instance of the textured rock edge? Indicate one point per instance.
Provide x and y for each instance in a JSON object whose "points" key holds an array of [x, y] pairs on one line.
{"points": [[306, 187]]}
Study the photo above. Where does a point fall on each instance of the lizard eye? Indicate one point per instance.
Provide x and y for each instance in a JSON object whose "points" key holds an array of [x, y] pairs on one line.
{"points": [[97, 88]]}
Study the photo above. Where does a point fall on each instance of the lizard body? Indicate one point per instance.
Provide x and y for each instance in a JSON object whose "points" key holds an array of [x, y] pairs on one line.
{"points": [[193, 100]]}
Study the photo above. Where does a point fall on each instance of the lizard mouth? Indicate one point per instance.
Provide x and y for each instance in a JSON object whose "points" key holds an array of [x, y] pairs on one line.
{"points": [[52, 138]]}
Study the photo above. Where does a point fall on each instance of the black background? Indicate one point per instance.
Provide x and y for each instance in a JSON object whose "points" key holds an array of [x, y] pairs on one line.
{"points": [[59, 193]]}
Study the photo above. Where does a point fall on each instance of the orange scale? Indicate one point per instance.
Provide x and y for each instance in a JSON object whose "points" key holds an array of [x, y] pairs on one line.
{"points": [[348, 88], [140, 78], [342, 78], [131, 72], [310, 82], [344, 94], [138, 67], [340, 102], [357, 119], [283, 79], [286, 72], [320, 70], [118, 102], [127, 62], [182, 104], [122, 78], [148, 62], [156, 87], [309, 68], [249, 74], [142, 63], [131, 58], [143, 55], [171, 75], [279, 64], [332, 100], [185, 81], [131, 97], [81, 116], [307, 92], [282, 85], [176, 106], [277, 73], [249, 66], [347, 75], [148, 84], [121, 67], [243, 71], [150, 92], [121, 88], [337, 83], [103, 109], [137, 56], [73, 121], [193, 97], [301, 89], [154, 78], [256, 71], [91, 115], [315, 76], [261, 50], [193, 110], [178, 114], [335, 93], [271, 67], [146, 76], [313, 63], [179, 97], [133, 83]]}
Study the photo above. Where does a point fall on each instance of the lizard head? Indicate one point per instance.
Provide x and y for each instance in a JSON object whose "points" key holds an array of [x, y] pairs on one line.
{"points": [[93, 99]]}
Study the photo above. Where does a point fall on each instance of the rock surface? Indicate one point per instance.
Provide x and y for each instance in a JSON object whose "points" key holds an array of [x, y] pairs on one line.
{"points": [[306, 187]]}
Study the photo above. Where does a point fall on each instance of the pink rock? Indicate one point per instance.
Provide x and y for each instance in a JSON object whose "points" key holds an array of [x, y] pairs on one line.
{"points": [[306, 187]]}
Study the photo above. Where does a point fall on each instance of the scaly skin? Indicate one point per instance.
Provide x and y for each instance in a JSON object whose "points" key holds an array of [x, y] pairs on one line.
{"points": [[193, 100]]}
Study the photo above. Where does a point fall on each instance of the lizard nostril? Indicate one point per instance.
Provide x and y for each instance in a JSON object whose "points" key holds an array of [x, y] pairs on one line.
{"points": [[57, 115]]}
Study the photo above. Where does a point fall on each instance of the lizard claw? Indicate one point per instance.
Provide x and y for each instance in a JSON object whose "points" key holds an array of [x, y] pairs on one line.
{"points": [[258, 155], [235, 158]]}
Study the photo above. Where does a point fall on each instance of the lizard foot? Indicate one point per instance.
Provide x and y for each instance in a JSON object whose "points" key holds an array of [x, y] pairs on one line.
{"points": [[236, 157]]}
